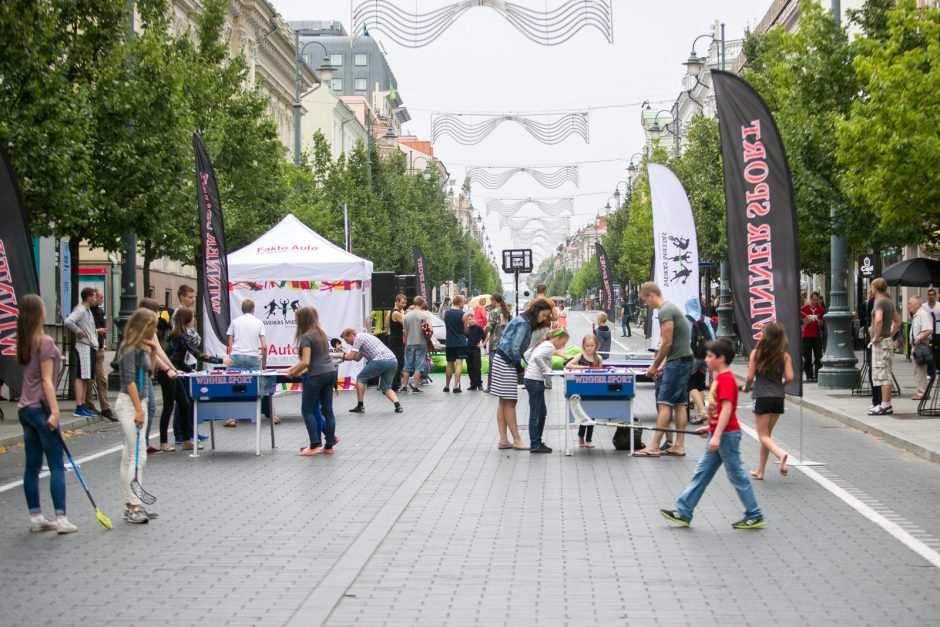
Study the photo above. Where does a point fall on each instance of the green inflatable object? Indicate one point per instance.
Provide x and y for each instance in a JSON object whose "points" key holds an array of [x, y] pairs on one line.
{"points": [[439, 363]]}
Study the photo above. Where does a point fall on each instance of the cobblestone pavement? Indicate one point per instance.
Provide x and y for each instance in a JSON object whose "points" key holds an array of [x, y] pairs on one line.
{"points": [[418, 519]]}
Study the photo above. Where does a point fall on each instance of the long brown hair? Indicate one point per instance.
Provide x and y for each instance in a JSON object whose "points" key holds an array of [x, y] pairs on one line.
{"points": [[29, 324], [308, 320], [771, 349], [140, 328], [501, 303], [181, 319], [532, 313]]}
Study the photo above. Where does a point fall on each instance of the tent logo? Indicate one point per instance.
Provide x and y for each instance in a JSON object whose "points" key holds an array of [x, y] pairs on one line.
{"points": [[281, 306], [264, 250]]}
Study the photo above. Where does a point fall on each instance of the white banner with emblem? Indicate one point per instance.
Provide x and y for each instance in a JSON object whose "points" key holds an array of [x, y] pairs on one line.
{"points": [[674, 242]]}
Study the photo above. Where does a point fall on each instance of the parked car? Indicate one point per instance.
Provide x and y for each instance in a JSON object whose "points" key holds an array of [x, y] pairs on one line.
{"points": [[440, 334]]}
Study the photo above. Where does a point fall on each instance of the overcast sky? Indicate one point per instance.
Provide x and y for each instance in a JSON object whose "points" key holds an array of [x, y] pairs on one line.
{"points": [[482, 64]]}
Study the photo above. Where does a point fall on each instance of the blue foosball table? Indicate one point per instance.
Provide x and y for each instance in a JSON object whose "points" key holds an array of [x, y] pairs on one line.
{"points": [[606, 396], [232, 394]]}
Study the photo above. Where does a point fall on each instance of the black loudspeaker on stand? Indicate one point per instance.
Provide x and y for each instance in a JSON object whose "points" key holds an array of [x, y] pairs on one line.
{"points": [[407, 284], [383, 290]]}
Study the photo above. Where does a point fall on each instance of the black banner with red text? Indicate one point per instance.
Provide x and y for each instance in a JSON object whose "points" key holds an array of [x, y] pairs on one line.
{"points": [[763, 247], [421, 275], [17, 271], [214, 285], [603, 267]]}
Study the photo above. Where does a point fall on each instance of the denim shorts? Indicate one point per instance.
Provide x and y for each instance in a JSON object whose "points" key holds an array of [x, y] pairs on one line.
{"points": [[674, 386], [384, 369], [416, 358], [245, 361]]}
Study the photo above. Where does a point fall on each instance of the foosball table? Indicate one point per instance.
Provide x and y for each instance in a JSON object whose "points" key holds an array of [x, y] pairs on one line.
{"points": [[602, 395], [232, 394]]}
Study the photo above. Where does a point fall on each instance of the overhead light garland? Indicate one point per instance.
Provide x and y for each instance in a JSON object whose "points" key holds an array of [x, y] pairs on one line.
{"points": [[493, 178], [467, 132], [547, 28], [550, 207], [552, 225]]}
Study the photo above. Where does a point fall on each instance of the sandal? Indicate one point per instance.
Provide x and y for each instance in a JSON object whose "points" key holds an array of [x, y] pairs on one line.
{"points": [[756, 477], [231, 422], [277, 420], [167, 449], [588, 445], [504, 446], [643, 453]]}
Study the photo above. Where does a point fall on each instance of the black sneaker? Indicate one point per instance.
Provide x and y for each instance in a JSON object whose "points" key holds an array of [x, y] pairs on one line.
{"points": [[447, 389], [415, 390], [106, 413], [358, 409], [673, 516], [399, 409], [749, 523], [541, 448]]}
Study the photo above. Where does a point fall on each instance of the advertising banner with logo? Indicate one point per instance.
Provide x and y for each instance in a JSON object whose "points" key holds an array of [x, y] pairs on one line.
{"points": [[213, 287], [421, 275], [290, 267], [17, 271], [603, 266], [763, 251], [869, 265], [675, 263]]}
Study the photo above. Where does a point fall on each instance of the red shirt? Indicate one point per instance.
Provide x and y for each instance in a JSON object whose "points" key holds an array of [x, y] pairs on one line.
{"points": [[724, 388], [811, 329]]}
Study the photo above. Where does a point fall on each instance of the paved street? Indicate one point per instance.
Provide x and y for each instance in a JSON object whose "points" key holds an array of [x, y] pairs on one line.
{"points": [[418, 519]]}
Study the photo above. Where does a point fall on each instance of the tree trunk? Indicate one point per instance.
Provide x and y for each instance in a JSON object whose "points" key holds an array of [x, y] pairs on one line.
{"points": [[74, 242], [148, 259]]}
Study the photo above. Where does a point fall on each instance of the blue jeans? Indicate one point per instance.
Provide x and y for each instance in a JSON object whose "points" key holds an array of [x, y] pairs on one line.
{"points": [[39, 440], [625, 326], [245, 361], [537, 411], [729, 453], [316, 405], [384, 369]]}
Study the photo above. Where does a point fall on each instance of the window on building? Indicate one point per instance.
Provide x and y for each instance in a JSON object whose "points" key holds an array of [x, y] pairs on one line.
{"points": [[336, 60], [166, 298], [337, 85], [361, 60], [150, 292], [360, 84]]}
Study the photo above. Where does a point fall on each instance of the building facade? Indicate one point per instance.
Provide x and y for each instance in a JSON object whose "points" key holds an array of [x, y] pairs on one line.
{"points": [[341, 125], [360, 67]]}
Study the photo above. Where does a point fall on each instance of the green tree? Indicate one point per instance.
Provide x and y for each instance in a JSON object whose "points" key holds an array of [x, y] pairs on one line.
{"points": [[700, 171], [889, 146], [807, 81]]}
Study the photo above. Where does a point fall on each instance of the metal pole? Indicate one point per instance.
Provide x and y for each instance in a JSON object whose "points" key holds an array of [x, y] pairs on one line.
{"points": [[838, 363], [129, 240], [469, 263], [298, 60], [725, 310]]}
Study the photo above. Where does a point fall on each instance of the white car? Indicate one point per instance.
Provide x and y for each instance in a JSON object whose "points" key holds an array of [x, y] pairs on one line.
{"points": [[440, 333]]}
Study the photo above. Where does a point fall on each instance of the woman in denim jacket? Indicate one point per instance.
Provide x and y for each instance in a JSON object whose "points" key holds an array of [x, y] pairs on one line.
{"points": [[506, 366]]}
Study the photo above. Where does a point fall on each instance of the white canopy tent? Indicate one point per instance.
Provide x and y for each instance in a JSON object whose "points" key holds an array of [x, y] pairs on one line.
{"points": [[289, 267]]}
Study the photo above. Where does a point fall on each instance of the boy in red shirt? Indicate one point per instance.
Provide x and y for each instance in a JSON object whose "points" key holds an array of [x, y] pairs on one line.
{"points": [[724, 447]]}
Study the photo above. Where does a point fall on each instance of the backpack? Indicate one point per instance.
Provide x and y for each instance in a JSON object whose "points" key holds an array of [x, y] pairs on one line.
{"points": [[621, 439], [700, 337]]}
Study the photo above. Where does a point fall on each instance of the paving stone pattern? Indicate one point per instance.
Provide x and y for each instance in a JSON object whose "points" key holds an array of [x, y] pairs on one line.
{"points": [[489, 538]]}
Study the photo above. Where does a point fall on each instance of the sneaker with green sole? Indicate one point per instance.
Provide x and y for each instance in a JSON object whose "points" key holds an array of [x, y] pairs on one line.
{"points": [[749, 523], [673, 516]]}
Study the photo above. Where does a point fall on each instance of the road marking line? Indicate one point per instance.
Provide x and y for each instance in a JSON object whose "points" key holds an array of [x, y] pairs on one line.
{"points": [[892, 528]]}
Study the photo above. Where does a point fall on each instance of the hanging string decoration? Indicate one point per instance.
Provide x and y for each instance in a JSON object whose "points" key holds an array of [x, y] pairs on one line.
{"points": [[554, 130], [551, 225], [510, 206], [550, 27], [493, 178]]}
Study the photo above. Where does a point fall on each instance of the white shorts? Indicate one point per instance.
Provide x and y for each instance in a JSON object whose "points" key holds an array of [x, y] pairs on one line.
{"points": [[86, 361]]}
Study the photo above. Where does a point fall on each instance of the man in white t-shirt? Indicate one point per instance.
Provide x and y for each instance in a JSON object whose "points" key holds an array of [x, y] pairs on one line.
{"points": [[932, 307], [246, 343]]}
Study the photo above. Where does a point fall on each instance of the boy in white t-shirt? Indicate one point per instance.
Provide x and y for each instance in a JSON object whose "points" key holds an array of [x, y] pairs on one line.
{"points": [[246, 343]]}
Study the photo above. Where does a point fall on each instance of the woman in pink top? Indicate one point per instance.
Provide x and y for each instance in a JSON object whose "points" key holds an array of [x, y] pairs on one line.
{"points": [[39, 414]]}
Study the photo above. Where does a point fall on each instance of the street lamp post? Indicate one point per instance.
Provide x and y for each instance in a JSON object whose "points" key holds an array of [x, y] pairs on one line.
{"points": [[326, 74], [128, 240], [411, 165], [655, 128], [838, 362]]}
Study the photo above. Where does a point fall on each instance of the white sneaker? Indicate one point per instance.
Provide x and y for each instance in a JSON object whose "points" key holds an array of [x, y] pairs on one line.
{"points": [[45, 525], [873, 409], [64, 526]]}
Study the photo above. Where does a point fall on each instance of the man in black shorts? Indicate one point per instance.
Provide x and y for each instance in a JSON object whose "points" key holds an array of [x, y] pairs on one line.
{"points": [[457, 323]]}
